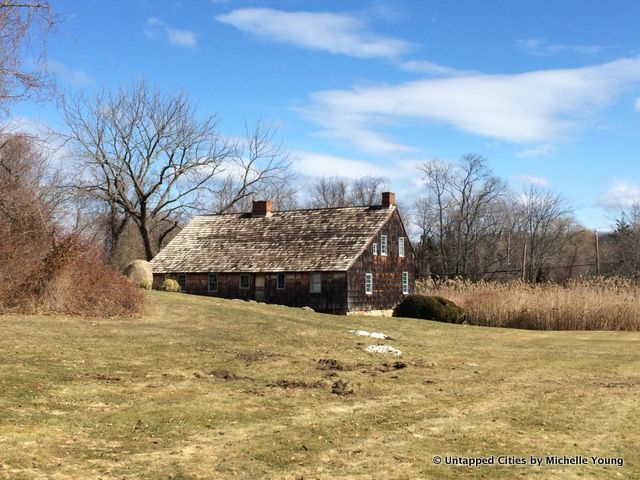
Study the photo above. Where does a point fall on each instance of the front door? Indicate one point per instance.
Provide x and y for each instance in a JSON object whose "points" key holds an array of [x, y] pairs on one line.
{"points": [[259, 287]]}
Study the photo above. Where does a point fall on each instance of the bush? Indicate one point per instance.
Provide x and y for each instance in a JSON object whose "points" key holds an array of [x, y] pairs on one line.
{"points": [[145, 284], [74, 278], [429, 308], [170, 285]]}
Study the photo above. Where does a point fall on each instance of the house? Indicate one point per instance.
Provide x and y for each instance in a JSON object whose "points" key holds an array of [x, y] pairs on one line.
{"points": [[334, 260]]}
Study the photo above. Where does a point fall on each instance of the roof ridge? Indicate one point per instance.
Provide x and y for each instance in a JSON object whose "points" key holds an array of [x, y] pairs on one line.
{"points": [[376, 207]]}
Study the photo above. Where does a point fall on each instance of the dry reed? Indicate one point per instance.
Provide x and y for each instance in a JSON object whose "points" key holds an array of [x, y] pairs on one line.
{"points": [[586, 304]]}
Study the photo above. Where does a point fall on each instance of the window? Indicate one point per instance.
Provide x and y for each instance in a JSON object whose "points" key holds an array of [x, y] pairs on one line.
{"points": [[405, 283], [315, 283], [280, 281], [401, 247], [368, 283], [383, 245], [244, 281], [375, 248], [182, 281], [213, 282]]}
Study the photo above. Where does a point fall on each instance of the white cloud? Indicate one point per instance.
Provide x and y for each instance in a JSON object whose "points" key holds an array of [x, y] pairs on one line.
{"points": [[321, 165], [342, 34], [543, 150], [541, 48], [156, 28], [621, 194], [76, 78], [432, 69], [182, 38], [532, 107], [534, 180]]}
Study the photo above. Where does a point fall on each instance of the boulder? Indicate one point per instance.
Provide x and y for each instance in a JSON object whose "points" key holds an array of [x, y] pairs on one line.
{"points": [[140, 273]]}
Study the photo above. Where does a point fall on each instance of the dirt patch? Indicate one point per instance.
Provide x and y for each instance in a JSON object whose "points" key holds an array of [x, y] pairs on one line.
{"points": [[102, 377], [221, 374], [421, 363], [373, 370], [291, 384], [251, 357], [341, 388], [332, 364]]}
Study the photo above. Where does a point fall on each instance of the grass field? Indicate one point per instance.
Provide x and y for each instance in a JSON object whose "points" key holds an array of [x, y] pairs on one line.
{"points": [[208, 388]]}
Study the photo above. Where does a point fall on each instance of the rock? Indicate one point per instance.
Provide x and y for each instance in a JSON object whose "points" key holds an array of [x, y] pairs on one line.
{"points": [[308, 309], [140, 273], [383, 349]]}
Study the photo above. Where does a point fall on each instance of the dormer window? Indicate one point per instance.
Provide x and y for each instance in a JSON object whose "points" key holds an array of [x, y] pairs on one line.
{"points": [[383, 245]]}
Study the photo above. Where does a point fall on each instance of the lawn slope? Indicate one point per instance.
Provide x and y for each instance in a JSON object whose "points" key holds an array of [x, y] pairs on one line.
{"points": [[208, 388]]}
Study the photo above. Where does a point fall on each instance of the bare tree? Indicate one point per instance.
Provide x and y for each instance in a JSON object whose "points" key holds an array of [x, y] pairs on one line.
{"points": [[24, 28], [329, 192], [366, 190], [432, 210], [460, 211], [257, 167], [622, 245], [544, 219], [151, 161]]}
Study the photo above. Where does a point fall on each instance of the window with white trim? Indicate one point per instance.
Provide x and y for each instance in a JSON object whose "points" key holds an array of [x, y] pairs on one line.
{"points": [[244, 281], [280, 281], [405, 283], [383, 245], [315, 282], [212, 284], [401, 246], [368, 283], [375, 248], [182, 281]]}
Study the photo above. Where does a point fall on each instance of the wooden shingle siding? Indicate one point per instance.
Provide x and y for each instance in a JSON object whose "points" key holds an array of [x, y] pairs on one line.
{"points": [[332, 299], [386, 270]]}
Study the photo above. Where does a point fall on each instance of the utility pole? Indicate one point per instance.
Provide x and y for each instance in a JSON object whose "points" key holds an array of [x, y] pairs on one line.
{"points": [[524, 262], [597, 254]]}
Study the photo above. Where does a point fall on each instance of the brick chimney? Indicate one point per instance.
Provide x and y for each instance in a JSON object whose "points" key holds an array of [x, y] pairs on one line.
{"points": [[388, 199], [261, 208]]}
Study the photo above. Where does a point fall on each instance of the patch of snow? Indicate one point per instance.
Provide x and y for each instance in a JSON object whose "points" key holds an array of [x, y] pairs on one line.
{"points": [[364, 333], [383, 349]]}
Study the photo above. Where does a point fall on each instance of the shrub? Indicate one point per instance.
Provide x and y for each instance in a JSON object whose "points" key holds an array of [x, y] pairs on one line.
{"points": [[429, 308], [74, 278], [145, 284], [170, 285]]}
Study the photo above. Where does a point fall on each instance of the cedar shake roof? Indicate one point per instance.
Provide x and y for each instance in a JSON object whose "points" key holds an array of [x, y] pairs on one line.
{"points": [[327, 239]]}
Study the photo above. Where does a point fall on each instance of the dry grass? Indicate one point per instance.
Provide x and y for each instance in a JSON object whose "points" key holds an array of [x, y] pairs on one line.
{"points": [[593, 304], [202, 388]]}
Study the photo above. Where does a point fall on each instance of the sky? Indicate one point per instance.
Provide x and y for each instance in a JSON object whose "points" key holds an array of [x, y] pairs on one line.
{"points": [[547, 91]]}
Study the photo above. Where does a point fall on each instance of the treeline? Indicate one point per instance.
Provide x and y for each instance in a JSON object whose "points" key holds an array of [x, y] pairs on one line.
{"points": [[472, 225]]}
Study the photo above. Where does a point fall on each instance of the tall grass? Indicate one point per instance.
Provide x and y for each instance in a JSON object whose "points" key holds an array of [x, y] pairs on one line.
{"points": [[587, 304]]}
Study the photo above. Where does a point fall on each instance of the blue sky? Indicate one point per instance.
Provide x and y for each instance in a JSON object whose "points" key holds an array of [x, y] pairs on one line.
{"points": [[547, 91]]}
